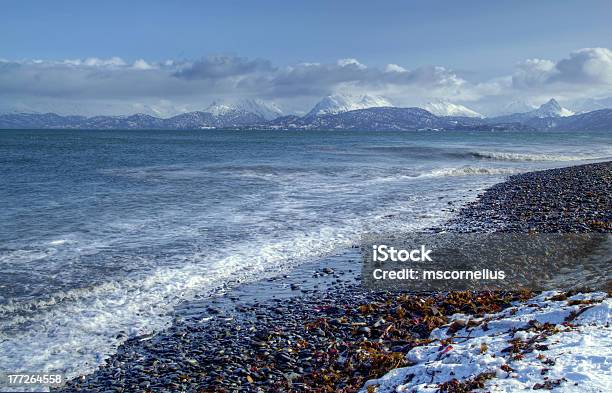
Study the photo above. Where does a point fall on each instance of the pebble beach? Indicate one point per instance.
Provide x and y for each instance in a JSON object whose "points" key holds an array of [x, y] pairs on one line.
{"points": [[317, 329]]}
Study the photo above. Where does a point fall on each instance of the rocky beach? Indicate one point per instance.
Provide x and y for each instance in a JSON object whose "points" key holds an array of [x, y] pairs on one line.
{"points": [[316, 329], [203, 197]]}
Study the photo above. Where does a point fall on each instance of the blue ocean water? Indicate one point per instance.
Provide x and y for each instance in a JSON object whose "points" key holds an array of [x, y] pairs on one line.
{"points": [[107, 231]]}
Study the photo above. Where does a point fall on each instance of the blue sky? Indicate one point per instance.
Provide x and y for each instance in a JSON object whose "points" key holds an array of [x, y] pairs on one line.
{"points": [[478, 41]]}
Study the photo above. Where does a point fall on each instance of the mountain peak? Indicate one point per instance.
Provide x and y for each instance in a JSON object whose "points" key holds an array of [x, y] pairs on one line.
{"points": [[517, 107], [552, 104], [338, 103], [219, 109], [256, 107], [265, 109], [552, 109], [447, 108]]}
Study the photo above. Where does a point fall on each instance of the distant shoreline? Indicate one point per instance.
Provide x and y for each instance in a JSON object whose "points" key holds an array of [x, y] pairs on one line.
{"points": [[374, 118]]}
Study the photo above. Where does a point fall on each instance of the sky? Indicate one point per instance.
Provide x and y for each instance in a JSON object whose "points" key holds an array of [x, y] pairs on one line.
{"points": [[161, 57]]}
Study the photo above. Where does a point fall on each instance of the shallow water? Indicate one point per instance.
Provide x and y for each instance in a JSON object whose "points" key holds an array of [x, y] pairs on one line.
{"points": [[108, 231]]}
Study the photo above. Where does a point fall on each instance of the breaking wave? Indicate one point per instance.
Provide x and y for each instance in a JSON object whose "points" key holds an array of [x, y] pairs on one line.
{"points": [[471, 171], [509, 156]]}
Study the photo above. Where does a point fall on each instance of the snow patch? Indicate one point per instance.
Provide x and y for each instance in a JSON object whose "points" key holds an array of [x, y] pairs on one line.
{"points": [[549, 341]]}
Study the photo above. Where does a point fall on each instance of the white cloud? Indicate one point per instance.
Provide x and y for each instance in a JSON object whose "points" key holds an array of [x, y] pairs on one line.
{"points": [[351, 62], [140, 64], [589, 65], [533, 72], [217, 67], [96, 85], [112, 62], [394, 68]]}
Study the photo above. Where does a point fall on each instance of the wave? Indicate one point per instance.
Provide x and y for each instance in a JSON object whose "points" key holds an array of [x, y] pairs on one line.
{"points": [[42, 334], [470, 171], [459, 153], [509, 156], [91, 317], [447, 172]]}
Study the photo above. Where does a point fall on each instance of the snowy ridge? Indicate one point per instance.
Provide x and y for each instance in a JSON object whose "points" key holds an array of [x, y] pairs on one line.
{"points": [[517, 107], [339, 103], [263, 109], [551, 109], [333, 112], [551, 341], [591, 104], [446, 108], [219, 109]]}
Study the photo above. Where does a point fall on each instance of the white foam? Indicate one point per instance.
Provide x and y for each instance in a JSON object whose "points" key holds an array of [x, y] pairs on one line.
{"points": [[25, 256], [513, 156], [58, 242], [74, 331], [459, 171], [471, 171], [304, 217]]}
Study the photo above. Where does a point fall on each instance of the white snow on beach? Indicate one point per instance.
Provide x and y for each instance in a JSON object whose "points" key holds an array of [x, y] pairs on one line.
{"points": [[545, 343]]}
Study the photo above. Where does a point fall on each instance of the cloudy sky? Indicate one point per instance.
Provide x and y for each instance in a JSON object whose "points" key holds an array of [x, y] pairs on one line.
{"points": [[163, 58]]}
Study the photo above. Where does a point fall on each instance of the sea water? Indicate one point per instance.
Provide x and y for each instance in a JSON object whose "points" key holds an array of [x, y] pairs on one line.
{"points": [[104, 233]]}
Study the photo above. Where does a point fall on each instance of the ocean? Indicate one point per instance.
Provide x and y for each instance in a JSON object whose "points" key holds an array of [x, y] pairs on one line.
{"points": [[104, 233]]}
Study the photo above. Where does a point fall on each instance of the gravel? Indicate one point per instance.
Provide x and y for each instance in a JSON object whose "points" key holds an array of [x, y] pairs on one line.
{"points": [[334, 335]]}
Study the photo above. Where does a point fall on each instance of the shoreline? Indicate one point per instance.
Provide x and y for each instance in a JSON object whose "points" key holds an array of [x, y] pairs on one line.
{"points": [[317, 328]]}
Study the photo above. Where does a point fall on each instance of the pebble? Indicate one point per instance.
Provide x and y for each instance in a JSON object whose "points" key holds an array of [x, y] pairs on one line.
{"points": [[284, 344]]}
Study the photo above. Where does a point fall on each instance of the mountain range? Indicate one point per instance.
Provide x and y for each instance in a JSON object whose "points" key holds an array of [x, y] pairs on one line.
{"points": [[365, 112], [551, 109]]}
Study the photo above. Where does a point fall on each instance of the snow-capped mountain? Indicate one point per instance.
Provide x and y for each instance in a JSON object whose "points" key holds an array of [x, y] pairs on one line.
{"points": [[218, 109], [550, 109], [517, 107], [590, 104], [339, 103], [263, 109], [380, 117], [446, 108], [231, 114]]}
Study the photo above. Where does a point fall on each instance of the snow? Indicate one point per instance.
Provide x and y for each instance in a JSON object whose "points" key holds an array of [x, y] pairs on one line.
{"points": [[446, 108], [551, 109], [574, 353], [591, 104], [517, 107], [520, 110], [219, 109], [263, 109], [339, 103]]}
